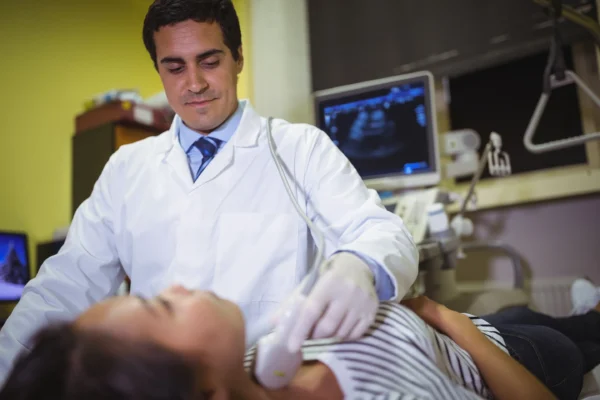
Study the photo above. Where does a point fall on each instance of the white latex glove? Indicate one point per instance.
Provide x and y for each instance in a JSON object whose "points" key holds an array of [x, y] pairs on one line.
{"points": [[342, 304]]}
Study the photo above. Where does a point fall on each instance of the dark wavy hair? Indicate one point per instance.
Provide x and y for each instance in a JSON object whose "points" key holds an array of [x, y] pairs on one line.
{"points": [[67, 363], [169, 12]]}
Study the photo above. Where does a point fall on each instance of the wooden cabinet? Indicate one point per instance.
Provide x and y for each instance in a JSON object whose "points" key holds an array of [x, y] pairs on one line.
{"points": [[92, 149]]}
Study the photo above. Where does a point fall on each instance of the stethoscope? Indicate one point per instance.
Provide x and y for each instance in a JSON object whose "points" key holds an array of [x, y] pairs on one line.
{"points": [[275, 366]]}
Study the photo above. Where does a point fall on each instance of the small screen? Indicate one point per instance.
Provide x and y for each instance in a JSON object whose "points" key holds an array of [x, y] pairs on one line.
{"points": [[14, 266], [384, 131]]}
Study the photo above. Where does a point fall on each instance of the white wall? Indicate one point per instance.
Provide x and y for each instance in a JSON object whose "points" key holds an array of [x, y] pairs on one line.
{"points": [[555, 239], [281, 60]]}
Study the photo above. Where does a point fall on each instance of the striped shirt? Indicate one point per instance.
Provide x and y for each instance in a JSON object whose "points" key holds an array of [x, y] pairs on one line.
{"points": [[401, 357]]}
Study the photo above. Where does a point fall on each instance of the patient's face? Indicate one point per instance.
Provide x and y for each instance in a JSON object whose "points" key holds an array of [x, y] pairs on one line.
{"points": [[197, 324]]}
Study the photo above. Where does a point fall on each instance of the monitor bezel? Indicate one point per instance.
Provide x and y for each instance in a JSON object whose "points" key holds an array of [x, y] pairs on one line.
{"points": [[393, 181], [29, 275]]}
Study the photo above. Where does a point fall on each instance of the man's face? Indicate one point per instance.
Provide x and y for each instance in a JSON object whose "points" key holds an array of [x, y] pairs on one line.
{"points": [[198, 73]]}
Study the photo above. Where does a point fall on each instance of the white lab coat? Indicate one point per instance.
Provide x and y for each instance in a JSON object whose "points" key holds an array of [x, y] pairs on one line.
{"points": [[233, 231]]}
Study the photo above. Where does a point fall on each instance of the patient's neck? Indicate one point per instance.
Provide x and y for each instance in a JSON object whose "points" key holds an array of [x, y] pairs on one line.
{"points": [[251, 390], [244, 388], [314, 381]]}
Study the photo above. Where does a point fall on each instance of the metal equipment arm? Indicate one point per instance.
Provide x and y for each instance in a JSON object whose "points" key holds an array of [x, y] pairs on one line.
{"points": [[497, 161], [482, 163], [569, 13], [515, 258], [560, 77], [589, 24]]}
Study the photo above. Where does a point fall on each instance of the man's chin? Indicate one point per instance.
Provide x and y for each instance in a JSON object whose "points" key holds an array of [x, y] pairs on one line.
{"points": [[203, 126]]}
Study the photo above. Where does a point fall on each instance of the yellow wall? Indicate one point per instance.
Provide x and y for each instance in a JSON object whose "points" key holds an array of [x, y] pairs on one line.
{"points": [[245, 83], [55, 54]]}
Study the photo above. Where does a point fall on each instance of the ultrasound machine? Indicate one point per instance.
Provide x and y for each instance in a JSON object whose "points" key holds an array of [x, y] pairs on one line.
{"points": [[387, 129]]}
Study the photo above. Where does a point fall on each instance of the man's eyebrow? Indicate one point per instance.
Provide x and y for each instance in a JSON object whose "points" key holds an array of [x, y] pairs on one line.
{"points": [[199, 57]]}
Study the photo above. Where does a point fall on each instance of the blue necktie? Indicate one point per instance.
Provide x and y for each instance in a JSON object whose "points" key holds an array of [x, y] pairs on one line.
{"points": [[208, 147]]}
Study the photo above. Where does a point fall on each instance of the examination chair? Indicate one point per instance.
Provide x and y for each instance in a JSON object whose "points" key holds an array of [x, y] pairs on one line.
{"points": [[437, 280], [437, 277]]}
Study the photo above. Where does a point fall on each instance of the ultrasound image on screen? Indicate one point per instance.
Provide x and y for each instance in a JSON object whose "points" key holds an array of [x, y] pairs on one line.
{"points": [[382, 132], [14, 266]]}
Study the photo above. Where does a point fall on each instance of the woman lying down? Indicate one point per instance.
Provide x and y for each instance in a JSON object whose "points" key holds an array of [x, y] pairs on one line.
{"points": [[190, 345]]}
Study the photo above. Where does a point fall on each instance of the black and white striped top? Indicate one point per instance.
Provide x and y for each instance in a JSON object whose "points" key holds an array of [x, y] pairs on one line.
{"points": [[401, 357]]}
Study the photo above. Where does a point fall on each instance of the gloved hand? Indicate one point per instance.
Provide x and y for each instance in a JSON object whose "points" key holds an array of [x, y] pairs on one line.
{"points": [[342, 304]]}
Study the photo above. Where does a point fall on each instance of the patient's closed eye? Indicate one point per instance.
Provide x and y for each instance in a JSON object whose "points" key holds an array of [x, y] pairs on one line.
{"points": [[167, 304], [150, 307]]}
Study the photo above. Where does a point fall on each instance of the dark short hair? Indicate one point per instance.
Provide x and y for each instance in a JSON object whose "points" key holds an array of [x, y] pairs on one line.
{"points": [[67, 364], [169, 12]]}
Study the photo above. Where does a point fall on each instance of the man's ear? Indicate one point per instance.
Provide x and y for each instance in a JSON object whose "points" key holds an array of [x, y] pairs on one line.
{"points": [[240, 60]]}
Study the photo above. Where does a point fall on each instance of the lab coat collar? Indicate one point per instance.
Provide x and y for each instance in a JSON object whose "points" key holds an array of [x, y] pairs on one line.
{"points": [[246, 135], [248, 131], [188, 137], [171, 152]]}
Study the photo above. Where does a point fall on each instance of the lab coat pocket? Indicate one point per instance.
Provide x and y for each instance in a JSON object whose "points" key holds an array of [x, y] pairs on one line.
{"points": [[256, 256]]}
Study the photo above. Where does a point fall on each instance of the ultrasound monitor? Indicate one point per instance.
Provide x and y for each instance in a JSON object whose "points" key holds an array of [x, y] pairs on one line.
{"points": [[14, 265], [386, 128]]}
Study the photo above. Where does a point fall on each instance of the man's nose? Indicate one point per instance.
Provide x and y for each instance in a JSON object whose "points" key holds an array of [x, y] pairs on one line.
{"points": [[196, 82]]}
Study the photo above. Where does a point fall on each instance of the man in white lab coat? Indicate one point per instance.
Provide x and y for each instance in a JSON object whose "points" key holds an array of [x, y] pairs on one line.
{"points": [[202, 205]]}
